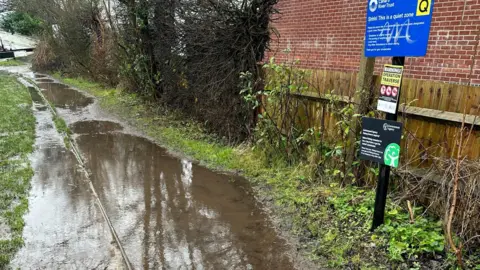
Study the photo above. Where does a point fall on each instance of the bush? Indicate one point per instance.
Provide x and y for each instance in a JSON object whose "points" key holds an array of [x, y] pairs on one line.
{"points": [[22, 23]]}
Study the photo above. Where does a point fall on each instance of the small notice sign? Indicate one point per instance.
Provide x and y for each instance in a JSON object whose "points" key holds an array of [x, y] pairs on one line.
{"points": [[380, 141], [390, 88]]}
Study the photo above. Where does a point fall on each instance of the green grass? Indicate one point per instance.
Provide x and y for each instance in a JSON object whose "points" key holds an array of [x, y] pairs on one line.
{"points": [[17, 129], [332, 221], [11, 62], [63, 129]]}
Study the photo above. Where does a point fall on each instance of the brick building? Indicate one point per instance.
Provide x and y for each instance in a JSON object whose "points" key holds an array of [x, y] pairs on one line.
{"points": [[328, 34]]}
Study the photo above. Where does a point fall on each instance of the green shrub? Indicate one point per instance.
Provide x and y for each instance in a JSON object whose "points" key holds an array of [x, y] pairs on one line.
{"points": [[407, 239], [404, 238], [22, 23]]}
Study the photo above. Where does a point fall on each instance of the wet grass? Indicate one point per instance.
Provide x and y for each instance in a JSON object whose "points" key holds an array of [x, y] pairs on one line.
{"points": [[11, 63], [17, 129], [332, 222], [63, 129]]}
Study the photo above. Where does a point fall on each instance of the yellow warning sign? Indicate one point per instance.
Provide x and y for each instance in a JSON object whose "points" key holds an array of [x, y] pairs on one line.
{"points": [[392, 75], [424, 7]]}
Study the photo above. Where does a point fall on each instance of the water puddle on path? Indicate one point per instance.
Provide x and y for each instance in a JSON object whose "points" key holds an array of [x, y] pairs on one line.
{"points": [[167, 212], [172, 214], [90, 127], [63, 228], [63, 97], [36, 98]]}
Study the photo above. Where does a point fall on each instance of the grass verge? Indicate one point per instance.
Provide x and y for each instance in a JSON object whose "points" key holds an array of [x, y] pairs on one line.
{"points": [[332, 222], [10, 63], [17, 135]]}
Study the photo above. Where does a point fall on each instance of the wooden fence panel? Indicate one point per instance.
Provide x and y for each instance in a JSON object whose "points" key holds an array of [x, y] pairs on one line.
{"points": [[430, 130]]}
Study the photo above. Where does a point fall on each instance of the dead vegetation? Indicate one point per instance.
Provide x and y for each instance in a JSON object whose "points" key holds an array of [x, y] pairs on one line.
{"points": [[181, 53], [450, 188]]}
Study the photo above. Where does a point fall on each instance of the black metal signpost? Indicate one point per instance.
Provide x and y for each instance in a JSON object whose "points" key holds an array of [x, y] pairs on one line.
{"points": [[394, 28], [384, 170], [380, 140]]}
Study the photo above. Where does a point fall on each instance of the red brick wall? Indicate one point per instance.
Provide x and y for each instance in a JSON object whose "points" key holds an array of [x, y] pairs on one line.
{"points": [[328, 34]]}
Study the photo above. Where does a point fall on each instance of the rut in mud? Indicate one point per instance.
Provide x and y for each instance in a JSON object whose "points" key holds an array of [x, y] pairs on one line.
{"points": [[167, 212]]}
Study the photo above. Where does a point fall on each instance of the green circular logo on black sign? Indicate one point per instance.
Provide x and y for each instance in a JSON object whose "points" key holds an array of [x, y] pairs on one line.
{"points": [[392, 155]]}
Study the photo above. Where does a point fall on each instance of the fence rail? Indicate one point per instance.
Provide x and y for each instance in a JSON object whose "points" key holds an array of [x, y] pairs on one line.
{"points": [[432, 113]]}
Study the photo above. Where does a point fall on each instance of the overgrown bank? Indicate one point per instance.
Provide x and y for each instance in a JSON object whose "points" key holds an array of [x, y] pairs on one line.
{"points": [[17, 135], [332, 222]]}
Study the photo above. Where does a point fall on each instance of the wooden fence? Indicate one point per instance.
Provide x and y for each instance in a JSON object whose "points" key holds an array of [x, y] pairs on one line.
{"points": [[432, 113]]}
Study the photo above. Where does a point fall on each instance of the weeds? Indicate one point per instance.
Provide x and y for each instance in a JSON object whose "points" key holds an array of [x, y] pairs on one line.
{"points": [[17, 129]]}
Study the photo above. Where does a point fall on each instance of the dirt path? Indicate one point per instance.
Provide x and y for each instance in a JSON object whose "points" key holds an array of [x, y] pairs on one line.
{"points": [[64, 228], [167, 212]]}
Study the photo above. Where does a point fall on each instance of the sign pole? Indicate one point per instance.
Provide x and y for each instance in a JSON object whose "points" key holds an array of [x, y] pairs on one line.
{"points": [[386, 36], [384, 170]]}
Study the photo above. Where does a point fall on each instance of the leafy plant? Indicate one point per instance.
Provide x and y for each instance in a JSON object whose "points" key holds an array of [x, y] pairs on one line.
{"points": [[249, 95], [277, 133], [403, 238], [280, 132], [406, 238]]}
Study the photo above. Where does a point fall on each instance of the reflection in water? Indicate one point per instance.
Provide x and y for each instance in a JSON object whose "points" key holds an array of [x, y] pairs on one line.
{"points": [[63, 97], [64, 229], [36, 98], [172, 214]]}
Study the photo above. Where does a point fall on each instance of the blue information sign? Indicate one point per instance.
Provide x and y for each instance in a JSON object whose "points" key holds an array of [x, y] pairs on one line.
{"points": [[398, 27]]}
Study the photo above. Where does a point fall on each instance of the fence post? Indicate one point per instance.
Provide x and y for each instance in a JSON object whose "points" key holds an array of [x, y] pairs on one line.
{"points": [[363, 94]]}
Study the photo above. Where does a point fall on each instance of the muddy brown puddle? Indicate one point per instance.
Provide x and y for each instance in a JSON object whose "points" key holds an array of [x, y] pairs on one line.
{"points": [[172, 214], [86, 127], [63, 97], [167, 212]]}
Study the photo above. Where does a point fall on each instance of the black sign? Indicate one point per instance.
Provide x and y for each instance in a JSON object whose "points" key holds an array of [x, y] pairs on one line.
{"points": [[381, 141]]}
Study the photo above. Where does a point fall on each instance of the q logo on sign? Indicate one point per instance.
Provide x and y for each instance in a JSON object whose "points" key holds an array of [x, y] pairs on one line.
{"points": [[423, 7], [372, 5]]}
